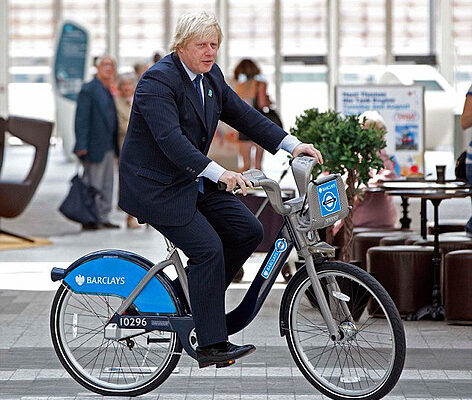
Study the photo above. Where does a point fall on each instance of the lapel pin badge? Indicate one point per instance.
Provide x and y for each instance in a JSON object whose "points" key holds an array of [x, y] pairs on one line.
{"points": [[210, 93]]}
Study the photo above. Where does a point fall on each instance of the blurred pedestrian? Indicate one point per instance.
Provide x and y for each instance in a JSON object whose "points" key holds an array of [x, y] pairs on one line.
{"points": [[253, 91], [126, 83], [140, 69], [466, 122], [156, 57], [373, 209], [376, 209], [96, 132]]}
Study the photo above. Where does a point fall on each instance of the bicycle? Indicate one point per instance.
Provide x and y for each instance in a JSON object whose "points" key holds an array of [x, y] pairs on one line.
{"points": [[119, 323]]}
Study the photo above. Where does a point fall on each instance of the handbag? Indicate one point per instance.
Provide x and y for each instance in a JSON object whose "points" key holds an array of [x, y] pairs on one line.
{"points": [[267, 111], [460, 170], [79, 204], [272, 115]]}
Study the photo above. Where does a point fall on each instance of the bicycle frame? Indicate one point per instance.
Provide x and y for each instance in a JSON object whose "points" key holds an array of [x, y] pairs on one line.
{"points": [[236, 320], [243, 314]]}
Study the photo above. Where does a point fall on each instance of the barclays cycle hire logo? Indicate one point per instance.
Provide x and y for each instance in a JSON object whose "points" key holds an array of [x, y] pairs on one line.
{"points": [[328, 198], [79, 279], [280, 247], [99, 280]]}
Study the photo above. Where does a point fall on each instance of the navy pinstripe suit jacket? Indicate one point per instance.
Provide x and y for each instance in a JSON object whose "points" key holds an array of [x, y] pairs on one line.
{"points": [[169, 136]]}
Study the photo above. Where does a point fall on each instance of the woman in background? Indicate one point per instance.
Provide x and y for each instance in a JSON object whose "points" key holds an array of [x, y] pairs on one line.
{"points": [[374, 209], [126, 84], [254, 92]]}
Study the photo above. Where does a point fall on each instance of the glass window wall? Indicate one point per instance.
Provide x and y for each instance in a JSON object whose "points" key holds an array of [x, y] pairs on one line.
{"points": [[31, 42], [304, 39], [251, 35], [141, 31], [462, 31], [411, 27], [92, 15]]}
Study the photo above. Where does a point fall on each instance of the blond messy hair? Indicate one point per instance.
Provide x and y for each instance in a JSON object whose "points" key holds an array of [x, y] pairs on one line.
{"points": [[199, 25]]}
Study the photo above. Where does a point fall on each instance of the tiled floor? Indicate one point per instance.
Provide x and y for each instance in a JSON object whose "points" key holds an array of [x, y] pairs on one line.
{"points": [[438, 361], [439, 355]]}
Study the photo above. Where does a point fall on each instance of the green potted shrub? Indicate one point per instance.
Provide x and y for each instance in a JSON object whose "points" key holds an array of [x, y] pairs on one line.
{"points": [[347, 149]]}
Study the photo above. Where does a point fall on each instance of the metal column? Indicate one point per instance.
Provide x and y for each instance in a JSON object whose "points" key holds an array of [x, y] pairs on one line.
{"points": [[113, 15], [388, 32], [277, 53], [4, 59], [446, 47], [432, 27], [222, 7], [333, 49], [167, 25], [57, 16]]}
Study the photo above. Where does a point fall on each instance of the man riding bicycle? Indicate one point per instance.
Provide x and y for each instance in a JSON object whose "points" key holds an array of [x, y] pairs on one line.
{"points": [[167, 180]]}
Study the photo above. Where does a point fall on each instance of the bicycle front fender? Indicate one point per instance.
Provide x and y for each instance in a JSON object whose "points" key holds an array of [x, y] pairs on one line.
{"points": [[283, 325], [283, 318], [117, 273]]}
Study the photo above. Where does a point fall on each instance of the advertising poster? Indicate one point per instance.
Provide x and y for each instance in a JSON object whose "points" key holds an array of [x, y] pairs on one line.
{"points": [[402, 108], [70, 60]]}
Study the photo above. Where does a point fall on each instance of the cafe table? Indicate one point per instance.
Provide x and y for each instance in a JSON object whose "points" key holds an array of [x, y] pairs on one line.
{"points": [[407, 185], [436, 196]]}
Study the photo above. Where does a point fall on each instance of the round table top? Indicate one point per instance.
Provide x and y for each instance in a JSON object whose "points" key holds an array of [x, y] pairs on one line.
{"points": [[425, 185], [438, 194]]}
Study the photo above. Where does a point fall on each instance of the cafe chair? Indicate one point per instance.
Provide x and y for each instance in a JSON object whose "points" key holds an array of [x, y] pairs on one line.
{"points": [[458, 285], [415, 238], [406, 273], [448, 225], [448, 243], [15, 195], [399, 238], [365, 240]]}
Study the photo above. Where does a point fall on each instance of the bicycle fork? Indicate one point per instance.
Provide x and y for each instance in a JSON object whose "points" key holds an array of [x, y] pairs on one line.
{"points": [[335, 294]]}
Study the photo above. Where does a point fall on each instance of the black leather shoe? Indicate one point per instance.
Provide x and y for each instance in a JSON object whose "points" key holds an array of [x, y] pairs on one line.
{"points": [[109, 225], [222, 356], [239, 276], [89, 227]]}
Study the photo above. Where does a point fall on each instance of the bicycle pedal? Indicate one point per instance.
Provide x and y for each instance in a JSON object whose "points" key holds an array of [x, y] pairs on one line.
{"points": [[225, 364], [218, 365]]}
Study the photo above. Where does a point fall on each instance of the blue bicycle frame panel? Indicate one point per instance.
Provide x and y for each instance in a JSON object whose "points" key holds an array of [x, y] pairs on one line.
{"points": [[252, 302]]}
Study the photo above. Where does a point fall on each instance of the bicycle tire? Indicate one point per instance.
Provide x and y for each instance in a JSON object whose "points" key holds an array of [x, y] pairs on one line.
{"points": [[350, 377], [61, 329]]}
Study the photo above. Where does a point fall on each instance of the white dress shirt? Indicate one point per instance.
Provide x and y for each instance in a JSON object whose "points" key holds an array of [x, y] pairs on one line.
{"points": [[213, 171]]}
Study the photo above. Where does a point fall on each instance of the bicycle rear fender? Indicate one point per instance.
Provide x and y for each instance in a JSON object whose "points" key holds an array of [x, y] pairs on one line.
{"points": [[117, 273]]}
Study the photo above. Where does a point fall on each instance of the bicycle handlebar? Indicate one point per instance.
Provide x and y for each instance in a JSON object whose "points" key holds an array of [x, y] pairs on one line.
{"points": [[271, 187]]}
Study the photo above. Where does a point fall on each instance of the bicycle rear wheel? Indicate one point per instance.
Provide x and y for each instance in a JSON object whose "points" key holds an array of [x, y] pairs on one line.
{"points": [[368, 362], [109, 367]]}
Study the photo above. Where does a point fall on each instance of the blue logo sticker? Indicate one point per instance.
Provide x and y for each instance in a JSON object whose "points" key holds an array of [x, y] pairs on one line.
{"points": [[328, 198], [280, 247]]}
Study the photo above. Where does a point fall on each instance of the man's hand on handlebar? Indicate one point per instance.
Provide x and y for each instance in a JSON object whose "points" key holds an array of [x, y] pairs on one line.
{"points": [[233, 180], [309, 150]]}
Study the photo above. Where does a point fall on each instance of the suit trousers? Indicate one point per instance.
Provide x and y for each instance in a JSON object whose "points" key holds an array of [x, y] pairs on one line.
{"points": [[221, 236], [100, 176]]}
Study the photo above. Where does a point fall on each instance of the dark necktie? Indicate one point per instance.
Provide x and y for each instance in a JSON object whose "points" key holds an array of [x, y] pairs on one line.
{"points": [[196, 83]]}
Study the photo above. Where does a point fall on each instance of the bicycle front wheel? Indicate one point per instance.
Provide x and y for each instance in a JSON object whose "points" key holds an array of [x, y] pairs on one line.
{"points": [[367, 362], [127, 367]]}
